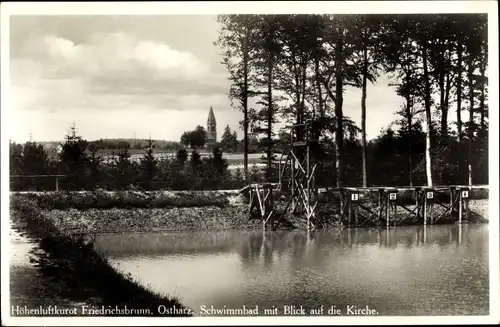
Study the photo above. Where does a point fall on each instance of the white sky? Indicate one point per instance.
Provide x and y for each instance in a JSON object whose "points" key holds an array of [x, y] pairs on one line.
{"points": [[119, 75]]}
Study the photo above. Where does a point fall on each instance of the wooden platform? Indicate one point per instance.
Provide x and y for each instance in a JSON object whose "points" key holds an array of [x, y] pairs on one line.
{"points": [[353, 210]]}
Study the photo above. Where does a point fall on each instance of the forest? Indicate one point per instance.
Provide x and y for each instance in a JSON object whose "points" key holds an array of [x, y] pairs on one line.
{"points": [[295, 69]]}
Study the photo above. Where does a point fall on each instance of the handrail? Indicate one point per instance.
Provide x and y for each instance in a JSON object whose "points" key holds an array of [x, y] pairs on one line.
{"points": [[48, 175]]}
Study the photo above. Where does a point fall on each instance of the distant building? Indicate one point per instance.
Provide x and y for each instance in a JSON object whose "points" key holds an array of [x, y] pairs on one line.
{"points": [[211, 128]]}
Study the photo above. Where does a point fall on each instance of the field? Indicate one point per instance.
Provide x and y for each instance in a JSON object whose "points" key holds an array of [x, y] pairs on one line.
{"points": [[234, 160]]}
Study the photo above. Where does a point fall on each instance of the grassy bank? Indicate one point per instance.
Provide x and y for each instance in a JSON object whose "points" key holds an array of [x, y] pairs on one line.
{"points": [[125, 199], [81, 273], [120, 211]]}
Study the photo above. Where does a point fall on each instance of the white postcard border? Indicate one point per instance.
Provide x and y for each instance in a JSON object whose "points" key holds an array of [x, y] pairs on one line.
{"points": [[203, 8]]}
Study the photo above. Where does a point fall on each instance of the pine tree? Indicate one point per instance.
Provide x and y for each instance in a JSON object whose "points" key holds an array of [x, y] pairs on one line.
{"points": [[237, 38], [195, 164], [149, 167], [125, 170], [74, 160]]}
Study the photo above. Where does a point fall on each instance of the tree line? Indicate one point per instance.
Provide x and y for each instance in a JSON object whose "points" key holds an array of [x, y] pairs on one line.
{"points": [[87, 168], [296, 68], [84, 167], [197, 139]]}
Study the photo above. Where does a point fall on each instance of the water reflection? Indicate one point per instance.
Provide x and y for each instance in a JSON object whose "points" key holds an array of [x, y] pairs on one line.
{"points": [[414, 270]]}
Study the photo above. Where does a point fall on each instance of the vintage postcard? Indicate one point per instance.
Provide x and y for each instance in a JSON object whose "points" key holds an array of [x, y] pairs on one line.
{"points": [[249, 163]]}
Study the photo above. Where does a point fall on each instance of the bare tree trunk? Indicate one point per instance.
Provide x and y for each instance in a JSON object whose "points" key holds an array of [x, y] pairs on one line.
{"points": [[482, 108], [363, 114], [428, 116], [410, 131], [459, 109], [318, 86], [444, 112], [245, 104], [471, 119], [269, 114], [446, 103], [339, 133]]}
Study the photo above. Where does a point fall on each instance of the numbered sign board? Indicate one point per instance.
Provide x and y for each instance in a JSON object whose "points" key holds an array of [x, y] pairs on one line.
{"points": [[430, 195], [465, 194], [354, 196], [392, 196]]}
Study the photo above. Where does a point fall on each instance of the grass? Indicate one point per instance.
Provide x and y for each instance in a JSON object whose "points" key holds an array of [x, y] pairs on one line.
{"points": [[81, 272]]}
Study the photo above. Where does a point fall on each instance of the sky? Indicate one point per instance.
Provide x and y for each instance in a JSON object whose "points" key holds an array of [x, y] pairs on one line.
{"points": [[126, 76]]}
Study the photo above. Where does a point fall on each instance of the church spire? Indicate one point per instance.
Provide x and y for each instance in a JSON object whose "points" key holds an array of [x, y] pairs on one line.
{"points": [[211, 127]]}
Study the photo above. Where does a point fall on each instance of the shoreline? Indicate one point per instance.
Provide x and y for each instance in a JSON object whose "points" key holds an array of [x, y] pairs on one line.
{"points": [[167, 211], [75, 273]]}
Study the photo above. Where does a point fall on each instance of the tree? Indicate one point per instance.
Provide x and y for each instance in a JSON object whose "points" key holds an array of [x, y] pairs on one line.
{"points": [[229, 141], [149, 167], [340, 51], [186, 139], [220, 163], [195, 164], [426, 29], [94, 163], [238, 178], [475, 40], [267, 58], [125, 171], [74, 160], [236, 40], [366, 31], [178, 170], [15, 158], [196, 138], [399, 58]]}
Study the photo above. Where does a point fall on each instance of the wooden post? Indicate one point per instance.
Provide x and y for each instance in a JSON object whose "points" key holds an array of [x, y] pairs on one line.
{"points": [[430, 212], [57, 183], [341, 195], [271, 202], [356, 215], [425, 207], [417, 204], [387, 209], [460, 234], [349, 203], [459, 207], [451, 200], [379, 205]]}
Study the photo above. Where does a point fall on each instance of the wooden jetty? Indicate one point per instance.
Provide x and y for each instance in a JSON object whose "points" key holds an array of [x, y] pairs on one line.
{"points": [[297, 184]]}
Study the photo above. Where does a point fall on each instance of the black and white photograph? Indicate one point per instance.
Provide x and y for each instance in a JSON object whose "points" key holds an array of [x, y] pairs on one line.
{"points": [[263, 162]]}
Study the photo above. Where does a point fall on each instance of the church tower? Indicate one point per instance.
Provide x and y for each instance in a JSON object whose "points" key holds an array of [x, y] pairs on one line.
{"points": [[211, 127]]}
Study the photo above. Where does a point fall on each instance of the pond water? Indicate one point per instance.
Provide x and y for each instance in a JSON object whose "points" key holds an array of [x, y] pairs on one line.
{"points": [[417, 270]]}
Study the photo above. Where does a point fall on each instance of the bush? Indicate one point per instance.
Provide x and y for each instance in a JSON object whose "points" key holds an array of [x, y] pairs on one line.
{"points": [[123, 199]]}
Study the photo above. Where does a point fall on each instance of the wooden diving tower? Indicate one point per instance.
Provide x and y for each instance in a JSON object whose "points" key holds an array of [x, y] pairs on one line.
{"points": [[297, 186], [297, 182]]}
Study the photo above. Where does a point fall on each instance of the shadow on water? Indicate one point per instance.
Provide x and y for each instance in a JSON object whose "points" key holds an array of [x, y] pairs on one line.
{"points": [[411, 270], [30, 284]]}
